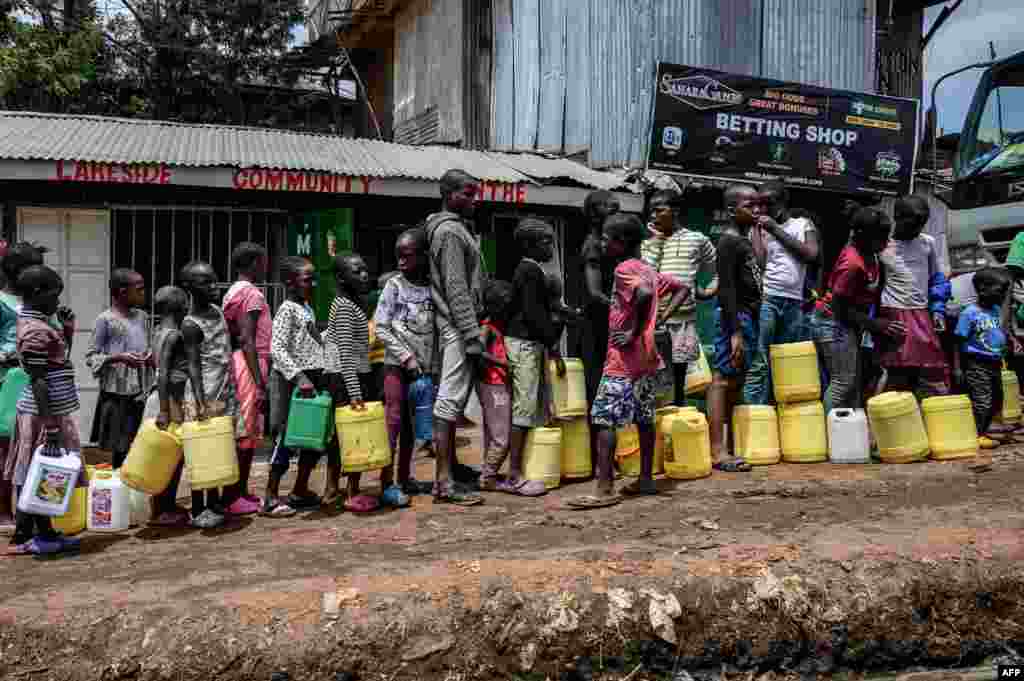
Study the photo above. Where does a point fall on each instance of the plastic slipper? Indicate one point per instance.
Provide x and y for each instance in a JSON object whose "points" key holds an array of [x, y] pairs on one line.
{"points": [[208, 519], [394, 497], [587, 502], [38, 547], [447, 493], [242, 506], [522, 488], [362, 503], [170, 519], [277, 509], [304, 502], [639, 488], [734, 466]]}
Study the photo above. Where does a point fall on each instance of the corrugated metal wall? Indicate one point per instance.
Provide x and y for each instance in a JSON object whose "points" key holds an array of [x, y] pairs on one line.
{"points": [[577, 75]]}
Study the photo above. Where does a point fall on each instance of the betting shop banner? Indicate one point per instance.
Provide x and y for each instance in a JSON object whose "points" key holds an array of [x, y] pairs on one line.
{"points": [[721, 125]]}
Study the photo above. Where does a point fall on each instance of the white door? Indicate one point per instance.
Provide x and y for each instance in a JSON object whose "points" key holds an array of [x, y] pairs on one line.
{"points": [[79, 249]]}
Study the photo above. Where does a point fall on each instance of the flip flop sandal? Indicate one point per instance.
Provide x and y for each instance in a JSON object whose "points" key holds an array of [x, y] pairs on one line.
{"points": [[465, 474], [171, 519], [303, 503], [734, 466], [362, 504], [394, 497], [242, 506], [277, 509], [332, 499], [637, 489], [522, 488], [37, 547], [588, 502], [448, 493]]}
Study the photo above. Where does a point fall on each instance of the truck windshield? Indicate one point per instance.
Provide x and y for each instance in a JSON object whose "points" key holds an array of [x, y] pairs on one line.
{"points": [[994, 140]]}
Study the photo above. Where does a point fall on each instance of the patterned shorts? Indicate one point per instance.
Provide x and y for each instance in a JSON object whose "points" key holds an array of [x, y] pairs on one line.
{"points": [[622, 401]]}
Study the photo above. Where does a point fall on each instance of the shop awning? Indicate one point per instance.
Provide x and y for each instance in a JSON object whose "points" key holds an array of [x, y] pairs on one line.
{"points": [[74, 148]]}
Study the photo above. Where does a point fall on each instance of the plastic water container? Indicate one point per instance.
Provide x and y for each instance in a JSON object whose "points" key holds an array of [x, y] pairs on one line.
{"points": [[576, 448], [848, 436], [688, 454], [153, 458], [74, 521], [362, 438], [898, 427], [13, 386], [802, 432], [698, 374], [662, 439], [1011, 398], [210, 452], [309, 422], [755, 434], [952, 433], [109, 508], [569, 392], [627, 450], [50, 483], [542, 456], [795, 373]]}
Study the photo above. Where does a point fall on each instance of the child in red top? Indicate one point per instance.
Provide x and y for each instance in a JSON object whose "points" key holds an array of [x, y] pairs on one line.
{"points": [[627, 391], [494, 390]]}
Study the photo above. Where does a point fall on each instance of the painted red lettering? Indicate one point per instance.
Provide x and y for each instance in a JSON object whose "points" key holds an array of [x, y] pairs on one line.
{"points": [[494, 190], [366, 183], [274, 179], [327, 183], [241, 179], [508, 192], [309, 182], [80, 172], [257, 178], [521, 193], [480, 191], [294, 182], [348, 185], [165, 174], [60, 171]]}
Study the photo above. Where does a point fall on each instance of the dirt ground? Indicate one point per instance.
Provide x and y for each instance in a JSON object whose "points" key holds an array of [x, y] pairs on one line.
{"points": [[794, 569]]}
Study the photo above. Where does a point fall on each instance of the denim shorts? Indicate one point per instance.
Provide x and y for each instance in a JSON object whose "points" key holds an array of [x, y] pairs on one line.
{"points": [[723, 343]]}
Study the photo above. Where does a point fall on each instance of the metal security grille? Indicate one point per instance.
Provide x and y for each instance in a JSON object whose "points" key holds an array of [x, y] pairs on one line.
{"points": [[157, 241]]}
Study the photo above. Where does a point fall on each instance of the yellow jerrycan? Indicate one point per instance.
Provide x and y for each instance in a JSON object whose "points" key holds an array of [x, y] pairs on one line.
{"points": [[75, 520], [803, 432], [153, 457], [627, 450], [569, 392], [755, 434], [210, 452], [688, 449], [795, 374], [661, 437], [576, 461], [542, 456], [952, 433], [898, 427], [1011, 398], [362, 438], [698, 374]]}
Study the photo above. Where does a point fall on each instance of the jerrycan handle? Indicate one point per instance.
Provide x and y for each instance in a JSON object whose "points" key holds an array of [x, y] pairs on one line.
{"points": [[843, 413]]}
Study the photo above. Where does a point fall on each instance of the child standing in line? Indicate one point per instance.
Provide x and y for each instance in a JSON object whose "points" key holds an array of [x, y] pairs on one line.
{"points": [[120, 358], [626, 393], [915, 294], [16, 259], [979, 364], [346, 346], [46, 407], [298, 354], [248, 317], [164, 404], [532, 336], [404, 321], [493, 388], [377, 349], [210, 392]]}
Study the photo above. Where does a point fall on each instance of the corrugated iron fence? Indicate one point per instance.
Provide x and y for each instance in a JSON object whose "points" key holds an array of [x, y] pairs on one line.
{"points": [[576, 75]]}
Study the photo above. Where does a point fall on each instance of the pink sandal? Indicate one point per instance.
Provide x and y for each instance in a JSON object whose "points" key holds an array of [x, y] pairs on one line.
{"points": [[243, 506], [362, 504]]}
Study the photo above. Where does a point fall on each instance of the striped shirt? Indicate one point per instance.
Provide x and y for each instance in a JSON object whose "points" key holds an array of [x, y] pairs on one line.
{"points": [[682, 255], [347, 345], [42, 347], [292, 345]]}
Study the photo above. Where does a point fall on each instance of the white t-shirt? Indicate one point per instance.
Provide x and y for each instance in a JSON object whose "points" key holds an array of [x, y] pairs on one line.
{"points": [[784, 274], [908, 268]]}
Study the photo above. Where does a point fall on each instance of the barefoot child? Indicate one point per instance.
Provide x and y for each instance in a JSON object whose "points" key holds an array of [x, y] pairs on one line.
{"points": [[298, 354], [493, 389], [532, 336], [210, 391], [627, 390], [248, 317], [347, 363], [164, 404], [46, 407], [979, 363], [120, 358], [405, 323], [17, 258]]}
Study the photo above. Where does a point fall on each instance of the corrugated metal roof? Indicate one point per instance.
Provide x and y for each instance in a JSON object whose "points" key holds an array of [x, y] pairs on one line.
{"points": [[51, 137]]}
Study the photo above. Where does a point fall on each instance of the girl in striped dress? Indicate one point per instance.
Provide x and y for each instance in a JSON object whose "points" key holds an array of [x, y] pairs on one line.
{"points": [[47, 406]]}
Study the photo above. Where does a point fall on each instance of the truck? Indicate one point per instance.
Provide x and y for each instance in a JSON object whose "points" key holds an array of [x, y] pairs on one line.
{"points": [[987, 197]]}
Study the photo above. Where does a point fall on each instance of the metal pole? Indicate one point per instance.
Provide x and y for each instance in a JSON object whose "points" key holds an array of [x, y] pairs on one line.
{"points": [[999, 99], [231, 235]]}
